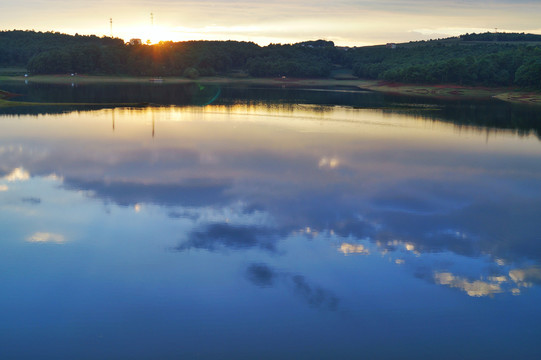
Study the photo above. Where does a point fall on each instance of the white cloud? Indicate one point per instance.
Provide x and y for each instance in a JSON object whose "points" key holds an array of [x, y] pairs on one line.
{"points": [[476, 288], [329, 163], [347, 249], [45, 237], [18, 174]]}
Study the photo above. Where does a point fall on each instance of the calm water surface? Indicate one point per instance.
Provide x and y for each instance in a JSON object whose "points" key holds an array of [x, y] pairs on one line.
{"points": [[223, 223]]}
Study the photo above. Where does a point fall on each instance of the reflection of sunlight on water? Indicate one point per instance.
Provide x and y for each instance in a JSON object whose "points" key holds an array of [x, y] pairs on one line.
{"points": [[262, 126], [309, 118]]}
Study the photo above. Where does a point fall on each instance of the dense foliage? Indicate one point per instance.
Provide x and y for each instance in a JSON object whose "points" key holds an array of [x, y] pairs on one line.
{"points": [[53, 53], [454, 61], [471, 59], [456, 64], [499, 36], [18, 47]]}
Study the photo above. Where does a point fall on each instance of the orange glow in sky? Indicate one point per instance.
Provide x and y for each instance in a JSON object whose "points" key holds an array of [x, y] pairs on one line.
{"points": [[346, 22]]}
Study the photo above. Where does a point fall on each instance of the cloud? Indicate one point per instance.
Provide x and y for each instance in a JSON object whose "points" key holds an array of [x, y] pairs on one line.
{"points": [[45, 237], [314, 295], [194, 192], [226, 236], [18, 174], [350, 21], [31, 200], [476, 288], [347, 249], [261, 275], [329, 163], [526, 276], [358, 228], [518, 278]]}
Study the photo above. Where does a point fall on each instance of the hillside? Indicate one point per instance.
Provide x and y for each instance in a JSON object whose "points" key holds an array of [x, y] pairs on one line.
{"points": [[489, 59], [472, 59]]}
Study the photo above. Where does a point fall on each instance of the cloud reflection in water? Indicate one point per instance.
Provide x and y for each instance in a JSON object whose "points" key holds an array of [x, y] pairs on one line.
{"points": [[227, 236], [407, 191], [18, 174], [45, 237], [263, 275]]}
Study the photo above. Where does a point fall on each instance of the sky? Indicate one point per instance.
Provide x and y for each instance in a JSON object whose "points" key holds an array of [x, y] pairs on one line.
{"points": [[346, 22]]}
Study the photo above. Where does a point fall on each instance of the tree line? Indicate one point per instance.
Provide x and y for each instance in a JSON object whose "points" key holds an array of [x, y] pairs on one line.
{"points": [[453, 63], [53, 53], [500, 59]]}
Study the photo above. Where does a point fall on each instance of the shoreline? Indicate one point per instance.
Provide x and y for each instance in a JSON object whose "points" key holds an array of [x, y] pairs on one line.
{"points": [[446, 91]]}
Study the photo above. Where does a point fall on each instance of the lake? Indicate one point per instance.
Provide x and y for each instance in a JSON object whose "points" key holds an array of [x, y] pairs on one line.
{"points": [[267, 223]]}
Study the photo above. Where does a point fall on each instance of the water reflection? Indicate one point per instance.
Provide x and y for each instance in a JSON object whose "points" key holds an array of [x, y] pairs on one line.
{"points": [[334, 222], [18, 174], [487, 116], [353, 174], [264, 276], [215, 236], [518, 278], [494, 278], [41, 237]]}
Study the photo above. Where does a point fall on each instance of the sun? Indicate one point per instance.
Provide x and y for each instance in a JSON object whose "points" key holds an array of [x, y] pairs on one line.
{"points": [[155, 34], [149, 34]]}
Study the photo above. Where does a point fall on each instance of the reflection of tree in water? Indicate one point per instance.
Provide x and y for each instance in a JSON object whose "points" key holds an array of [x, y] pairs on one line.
{"points": [[524, 120], [158, 94], [485, 114]]}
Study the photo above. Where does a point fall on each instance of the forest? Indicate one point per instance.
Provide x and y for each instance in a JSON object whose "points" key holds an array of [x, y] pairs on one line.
{"points": [[488, 59]]}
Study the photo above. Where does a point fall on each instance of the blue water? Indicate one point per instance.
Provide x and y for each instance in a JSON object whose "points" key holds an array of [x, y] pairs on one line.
{"points": [[268, 230]]}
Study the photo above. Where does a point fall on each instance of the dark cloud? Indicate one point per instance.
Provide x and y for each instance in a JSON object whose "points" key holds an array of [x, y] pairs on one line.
{"points": [[31, 200], [195, 192], [507, 230], [226, 236], [504, 229], [406, 203], [353, 227], [261, 275], [191, 215], [315, 296]]}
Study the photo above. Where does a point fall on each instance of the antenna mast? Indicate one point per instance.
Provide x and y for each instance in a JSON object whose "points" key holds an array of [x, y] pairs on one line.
{"points": [[111, 26]]}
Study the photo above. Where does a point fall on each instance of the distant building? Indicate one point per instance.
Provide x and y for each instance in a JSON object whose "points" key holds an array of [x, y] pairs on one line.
{"points": [[135, 41], [390, 46]]}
